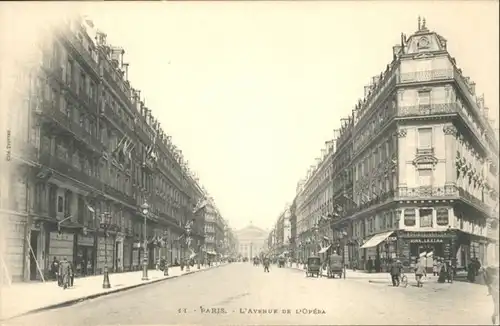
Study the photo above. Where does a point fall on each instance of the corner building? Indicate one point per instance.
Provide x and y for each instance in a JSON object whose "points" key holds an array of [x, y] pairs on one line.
{"points": [[425, 162]]}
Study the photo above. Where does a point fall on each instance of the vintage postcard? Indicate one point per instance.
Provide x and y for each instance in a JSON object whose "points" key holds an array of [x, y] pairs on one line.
{"points": [[249, 163]]}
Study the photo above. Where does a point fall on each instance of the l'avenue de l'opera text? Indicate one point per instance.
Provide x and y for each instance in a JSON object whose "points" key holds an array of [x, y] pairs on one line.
{"points": [[254, 311]]}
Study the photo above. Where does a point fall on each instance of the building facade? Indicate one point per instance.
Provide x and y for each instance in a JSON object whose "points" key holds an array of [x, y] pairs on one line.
{"points": [[214, 231], [92, 155], [252, 241], [230, 243], [280, 238], [414, 170]]}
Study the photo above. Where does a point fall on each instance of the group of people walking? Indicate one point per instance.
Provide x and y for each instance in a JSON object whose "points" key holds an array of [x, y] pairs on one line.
{"points": [[441, 269], [63, 272]]}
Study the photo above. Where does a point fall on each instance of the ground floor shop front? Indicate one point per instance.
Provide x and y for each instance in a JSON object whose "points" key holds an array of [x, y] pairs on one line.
{"points": [[90, 251], [375, 252]]}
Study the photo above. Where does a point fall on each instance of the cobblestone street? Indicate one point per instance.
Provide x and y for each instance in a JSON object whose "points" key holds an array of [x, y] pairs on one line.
{"points": [[234, 294]]}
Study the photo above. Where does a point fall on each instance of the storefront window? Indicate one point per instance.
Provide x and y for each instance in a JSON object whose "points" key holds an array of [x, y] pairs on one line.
{"points": [[442, 216], [410, 219], [425, 218]]}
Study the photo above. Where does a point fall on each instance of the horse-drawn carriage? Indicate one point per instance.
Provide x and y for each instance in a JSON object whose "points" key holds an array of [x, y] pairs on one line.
{"points": [[313, 266], [281, 261], [334, 266], [256, 261]]}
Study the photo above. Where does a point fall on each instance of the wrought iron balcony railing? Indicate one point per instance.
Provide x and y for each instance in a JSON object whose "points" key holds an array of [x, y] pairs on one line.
{"points": [[52, 112], [69, 170], [425, 151], [113, 116], [118, 195], [84, 53], [427, 75], [426, 192], [432, 109], [472, 199]]}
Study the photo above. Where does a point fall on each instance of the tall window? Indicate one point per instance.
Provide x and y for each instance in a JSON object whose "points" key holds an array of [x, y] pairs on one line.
{"points": [[424, 98], [425, 178], [410, 219], [425, 138], [442, 216], [60, 204], [425, 217]]}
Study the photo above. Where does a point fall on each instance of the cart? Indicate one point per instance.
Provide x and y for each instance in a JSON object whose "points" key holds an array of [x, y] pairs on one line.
{"points": [[313, 266], [334, 266]]}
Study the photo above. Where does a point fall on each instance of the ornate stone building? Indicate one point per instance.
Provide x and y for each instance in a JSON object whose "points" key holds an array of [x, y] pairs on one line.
{"points": [[252, 241], [97, 155], [418, 171]]}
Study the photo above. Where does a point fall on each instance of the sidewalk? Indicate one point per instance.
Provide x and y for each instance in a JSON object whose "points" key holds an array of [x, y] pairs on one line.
{"points": [[384, 277], [24, 298]]}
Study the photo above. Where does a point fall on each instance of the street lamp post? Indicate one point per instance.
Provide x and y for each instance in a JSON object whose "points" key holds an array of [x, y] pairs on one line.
{"points": [[165, 244], [199, 255], [188, 228], [105, 223], [343, 235], [145, 211]]}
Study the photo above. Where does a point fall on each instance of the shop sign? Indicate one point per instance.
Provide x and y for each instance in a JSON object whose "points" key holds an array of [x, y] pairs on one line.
{"points": [[426, 240], [433, 235], [85, 240], [391, 239], [62, 236]]}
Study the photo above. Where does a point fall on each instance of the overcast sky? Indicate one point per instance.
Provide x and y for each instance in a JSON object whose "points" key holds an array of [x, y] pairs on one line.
{"points": [[251, 91]]}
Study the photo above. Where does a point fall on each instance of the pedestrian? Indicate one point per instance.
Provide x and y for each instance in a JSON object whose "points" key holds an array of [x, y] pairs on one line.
{"points": [[490, 275], [64, 273], [420, 272], [471, 271], [369, 264], [266, 265], [377, 264], [71, 274], [395, 270], [443, 272], [182, 264], [54, 269], [435, 267]]}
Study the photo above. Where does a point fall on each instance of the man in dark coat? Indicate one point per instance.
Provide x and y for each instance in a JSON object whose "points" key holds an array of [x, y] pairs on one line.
{"points": [[266, 265], [395, 270], [369, 264]]}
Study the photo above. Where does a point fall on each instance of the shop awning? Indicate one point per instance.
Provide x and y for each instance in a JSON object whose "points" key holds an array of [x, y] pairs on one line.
{"points": [[323, 250], [377, 239]]}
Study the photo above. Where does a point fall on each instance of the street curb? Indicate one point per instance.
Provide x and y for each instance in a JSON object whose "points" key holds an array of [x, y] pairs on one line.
{"points": [[101, 294]]}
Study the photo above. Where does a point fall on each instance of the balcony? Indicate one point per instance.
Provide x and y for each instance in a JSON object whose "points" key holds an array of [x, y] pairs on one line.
{"points": [[425, 151], [426, 192], [68, 170], [111, 115], [425, 76], [425, 110], [85, 55], [52, 113], [464, 194], [118, 195], [115, 85]]}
